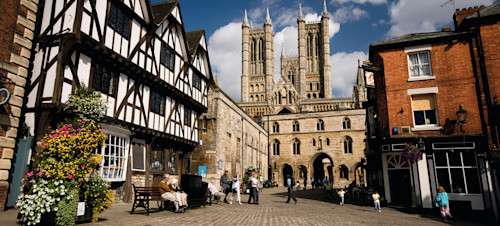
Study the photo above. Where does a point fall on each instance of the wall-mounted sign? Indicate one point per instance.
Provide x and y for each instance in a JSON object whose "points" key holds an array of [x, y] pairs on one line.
{"points": [[202, 171], [369, 79], [220, 164], [4, 95]]}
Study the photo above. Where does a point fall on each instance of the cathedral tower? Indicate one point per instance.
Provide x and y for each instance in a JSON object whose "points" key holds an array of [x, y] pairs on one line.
{"points": [[257, 79]]}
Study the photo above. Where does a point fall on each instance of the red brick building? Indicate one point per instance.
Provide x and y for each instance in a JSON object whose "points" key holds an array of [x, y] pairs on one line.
{"points": [[423, 81], [17, 23]]}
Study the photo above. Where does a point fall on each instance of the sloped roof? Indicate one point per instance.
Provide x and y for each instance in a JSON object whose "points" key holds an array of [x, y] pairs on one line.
{"points": [[193, 39], [162, 9], [418, 37], [488, 11]]}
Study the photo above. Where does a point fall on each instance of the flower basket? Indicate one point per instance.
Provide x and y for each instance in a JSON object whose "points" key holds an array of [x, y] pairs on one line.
{"points": [[411, 153]]}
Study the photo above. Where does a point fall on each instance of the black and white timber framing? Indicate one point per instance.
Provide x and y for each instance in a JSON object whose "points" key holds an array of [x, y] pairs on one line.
{"points": [[143, 47]]}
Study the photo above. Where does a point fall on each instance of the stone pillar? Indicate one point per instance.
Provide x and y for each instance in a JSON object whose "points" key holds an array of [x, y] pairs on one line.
{"points": [[269, 59], [326, 71], [244, 61], [19, 20]]}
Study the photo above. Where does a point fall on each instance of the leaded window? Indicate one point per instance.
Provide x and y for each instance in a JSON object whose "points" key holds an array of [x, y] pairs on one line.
{"points": [[104, 80], [167, 57], [196, 81], [157, 103], [187, 117], [119, 20]]}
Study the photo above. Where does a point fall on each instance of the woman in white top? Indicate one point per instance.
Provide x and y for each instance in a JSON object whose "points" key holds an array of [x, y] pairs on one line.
{"points": [[236, 189]]}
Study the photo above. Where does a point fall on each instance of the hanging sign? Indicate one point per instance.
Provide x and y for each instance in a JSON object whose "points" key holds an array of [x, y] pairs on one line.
{"points": [[4, 95]]}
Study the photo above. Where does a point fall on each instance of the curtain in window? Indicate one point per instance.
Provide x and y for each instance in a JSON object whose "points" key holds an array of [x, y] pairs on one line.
{"points": [[419, 64]]}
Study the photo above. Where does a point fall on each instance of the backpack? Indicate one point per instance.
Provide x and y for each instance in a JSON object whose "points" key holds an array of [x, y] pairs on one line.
{"points": [[293, 181]]}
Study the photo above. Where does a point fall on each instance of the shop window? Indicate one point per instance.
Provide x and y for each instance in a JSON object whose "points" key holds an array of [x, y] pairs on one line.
{"points": [[114, 154], [457, 171]]}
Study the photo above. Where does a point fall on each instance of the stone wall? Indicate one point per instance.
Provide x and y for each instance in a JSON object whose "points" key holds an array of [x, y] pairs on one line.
{"points": [[17, 21]]}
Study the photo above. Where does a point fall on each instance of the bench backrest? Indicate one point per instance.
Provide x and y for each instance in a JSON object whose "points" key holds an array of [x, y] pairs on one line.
{"points": [[154, 192]]}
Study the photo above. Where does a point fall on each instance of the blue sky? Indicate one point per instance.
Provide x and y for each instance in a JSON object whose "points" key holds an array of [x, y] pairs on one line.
{"points": [[354, 24]]}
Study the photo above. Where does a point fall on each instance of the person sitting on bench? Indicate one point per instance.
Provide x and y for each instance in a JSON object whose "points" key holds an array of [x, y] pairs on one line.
{"points": [[167, 193], [174, 185], [215, 192]]}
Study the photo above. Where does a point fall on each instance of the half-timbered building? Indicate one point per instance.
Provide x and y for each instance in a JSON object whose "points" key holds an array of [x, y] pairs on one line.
{"points": [[137, 55]]}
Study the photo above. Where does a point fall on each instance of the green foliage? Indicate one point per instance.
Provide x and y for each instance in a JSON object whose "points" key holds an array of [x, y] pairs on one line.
{"points": [[68, 208], [98, 196], [87, 104]]}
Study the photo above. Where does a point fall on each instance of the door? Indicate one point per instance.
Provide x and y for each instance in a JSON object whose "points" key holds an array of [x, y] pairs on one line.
{"points": [[400, 187], [20, 160]]}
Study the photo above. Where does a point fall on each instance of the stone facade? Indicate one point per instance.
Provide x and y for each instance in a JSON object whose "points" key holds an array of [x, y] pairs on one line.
{"points": [[18, 25], [231, 137], [302, 96]]}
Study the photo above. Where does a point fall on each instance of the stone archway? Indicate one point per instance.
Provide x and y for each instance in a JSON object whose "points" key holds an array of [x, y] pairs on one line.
{"points": [[287, 169], [302, 173], [322, 166]]}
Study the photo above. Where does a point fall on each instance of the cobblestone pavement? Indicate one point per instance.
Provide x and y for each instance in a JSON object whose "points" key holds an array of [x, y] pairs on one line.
{"points": [[272, 210]]}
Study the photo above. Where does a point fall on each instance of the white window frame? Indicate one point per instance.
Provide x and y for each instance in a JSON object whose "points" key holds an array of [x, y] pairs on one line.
{"points": [[143, 154], [123, 134], [415, 50], [462, 167], [429, 126]]}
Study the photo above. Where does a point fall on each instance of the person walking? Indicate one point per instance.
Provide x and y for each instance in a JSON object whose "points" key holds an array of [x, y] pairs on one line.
{"points": [[376, 201], [305, 183], [290, 182], [224, 184], [443, 204], [235, 189], [312, 183], [252, 184], [341, 195]]}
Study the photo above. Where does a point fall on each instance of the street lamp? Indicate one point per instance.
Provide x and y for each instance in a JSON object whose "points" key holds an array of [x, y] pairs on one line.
{"points": [[421, 144], [461, 114]]}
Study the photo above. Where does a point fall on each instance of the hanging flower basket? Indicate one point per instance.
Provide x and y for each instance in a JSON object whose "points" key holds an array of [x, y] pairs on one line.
{"points": [[411, 153]]}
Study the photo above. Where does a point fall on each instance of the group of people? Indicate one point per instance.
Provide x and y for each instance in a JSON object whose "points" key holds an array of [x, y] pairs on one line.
{"points": [[170, 190], [234, 188]]}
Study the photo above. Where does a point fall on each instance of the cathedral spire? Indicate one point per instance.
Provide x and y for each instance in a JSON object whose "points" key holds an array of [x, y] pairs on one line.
{"points": [[245, 20], [325, 12], [268, 18], [360, 79], [300, 17], [216, 80]]}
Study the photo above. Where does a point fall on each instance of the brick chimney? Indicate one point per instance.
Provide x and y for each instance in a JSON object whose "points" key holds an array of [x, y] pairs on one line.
{"points": [[460, 15]]}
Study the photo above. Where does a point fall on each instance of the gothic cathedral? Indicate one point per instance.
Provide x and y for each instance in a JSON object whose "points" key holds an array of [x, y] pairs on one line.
{"points": [[311, 134]]}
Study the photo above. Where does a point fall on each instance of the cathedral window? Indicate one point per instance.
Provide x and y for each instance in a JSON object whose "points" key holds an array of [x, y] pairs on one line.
{"points": [[296, 146], [104, 80], [317, 86], [167, 57], [347, 145], [261, 97], [251, 98], [157, 103], [320, 125], [276, 127], [344, 172], [279, 98], [296, 126], [276, 148], [327, 141], [310, 86], [309, 96], [119, 21], [251, 88], [314, 142], [289, 97], [346, 124], [317, 46], [314, 95], [261, 50]]}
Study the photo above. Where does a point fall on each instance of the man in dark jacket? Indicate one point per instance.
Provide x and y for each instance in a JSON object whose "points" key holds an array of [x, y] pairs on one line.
{"points": [[290, 182], [224, 184]]}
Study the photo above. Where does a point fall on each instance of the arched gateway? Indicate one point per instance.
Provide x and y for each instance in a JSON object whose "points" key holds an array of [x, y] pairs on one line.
{"points": [[287, 169], [322, 166]]}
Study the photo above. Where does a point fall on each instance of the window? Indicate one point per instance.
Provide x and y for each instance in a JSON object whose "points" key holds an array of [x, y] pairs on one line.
{"points": [[310, 86], [295, 127], [347, 145], [196, 81], [157, 159], [138, 155], [167, 57], [276, 148], [187, 117], [346, 124], [289, 97], [296, 146], [157, 103], [314, 142], [104, 80], [344, 172], [424, 109], [327, 141], [251, 88], [320, 125], [114, 154], [204, 123], [276, 127], [456, 171], [419, 64], [119, 21]]}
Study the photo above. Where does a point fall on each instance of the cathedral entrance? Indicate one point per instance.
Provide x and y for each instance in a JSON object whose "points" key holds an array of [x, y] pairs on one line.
{"points": [[322, 167], [287, 169]]}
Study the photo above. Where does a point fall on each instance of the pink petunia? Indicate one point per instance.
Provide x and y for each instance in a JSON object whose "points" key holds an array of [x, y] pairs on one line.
{"points": [[30, 174], [70, 176], [83, 166], [41, 155], [32, 180]]}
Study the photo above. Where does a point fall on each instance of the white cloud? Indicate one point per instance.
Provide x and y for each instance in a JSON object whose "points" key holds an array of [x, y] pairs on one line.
{"points": [[409, 16], [224, 48], [375, 2], [344, 71], [349, 13], [334, 26]]}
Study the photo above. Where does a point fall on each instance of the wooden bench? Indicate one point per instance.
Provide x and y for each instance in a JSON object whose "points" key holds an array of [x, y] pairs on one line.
{"points": [[143, 195]]}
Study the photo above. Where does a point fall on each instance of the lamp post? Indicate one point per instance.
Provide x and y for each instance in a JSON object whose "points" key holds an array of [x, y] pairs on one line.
{"points": [[461, 114]]}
